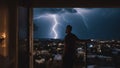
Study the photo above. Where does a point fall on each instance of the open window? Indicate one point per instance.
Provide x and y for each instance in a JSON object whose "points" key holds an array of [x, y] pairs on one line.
{"points": [[98, 24]]}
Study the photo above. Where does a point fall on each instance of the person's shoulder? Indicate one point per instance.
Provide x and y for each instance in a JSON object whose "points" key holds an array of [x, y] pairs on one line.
{"points": [[73, 34]]}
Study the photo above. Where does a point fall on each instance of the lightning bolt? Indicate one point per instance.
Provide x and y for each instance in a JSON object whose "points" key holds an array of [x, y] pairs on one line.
{"points": [[54, 26], [80, 12], [41, 16], [55, 22], [64, 19]]}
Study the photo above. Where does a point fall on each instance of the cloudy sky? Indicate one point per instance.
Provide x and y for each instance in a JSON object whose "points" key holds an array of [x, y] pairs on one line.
{"points": [[87, 23]]}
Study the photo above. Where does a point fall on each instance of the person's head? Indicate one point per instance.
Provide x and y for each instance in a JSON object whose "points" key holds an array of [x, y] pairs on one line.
{"points": [[68, 29]]}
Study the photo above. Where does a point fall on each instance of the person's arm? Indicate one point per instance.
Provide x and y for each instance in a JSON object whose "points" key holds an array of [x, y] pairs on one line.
{"points": [[81, 41]]}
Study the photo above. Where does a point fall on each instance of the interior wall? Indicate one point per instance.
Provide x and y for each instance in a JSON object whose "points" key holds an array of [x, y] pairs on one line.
{"points": [[3, 31], [12, 35], [8, 31]]}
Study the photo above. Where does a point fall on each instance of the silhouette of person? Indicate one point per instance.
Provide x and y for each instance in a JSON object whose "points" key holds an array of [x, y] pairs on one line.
{"points": [[69, 48]]}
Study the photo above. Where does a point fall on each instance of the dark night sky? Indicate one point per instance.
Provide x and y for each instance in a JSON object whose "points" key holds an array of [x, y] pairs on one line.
{"points": [[95, 23]]}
